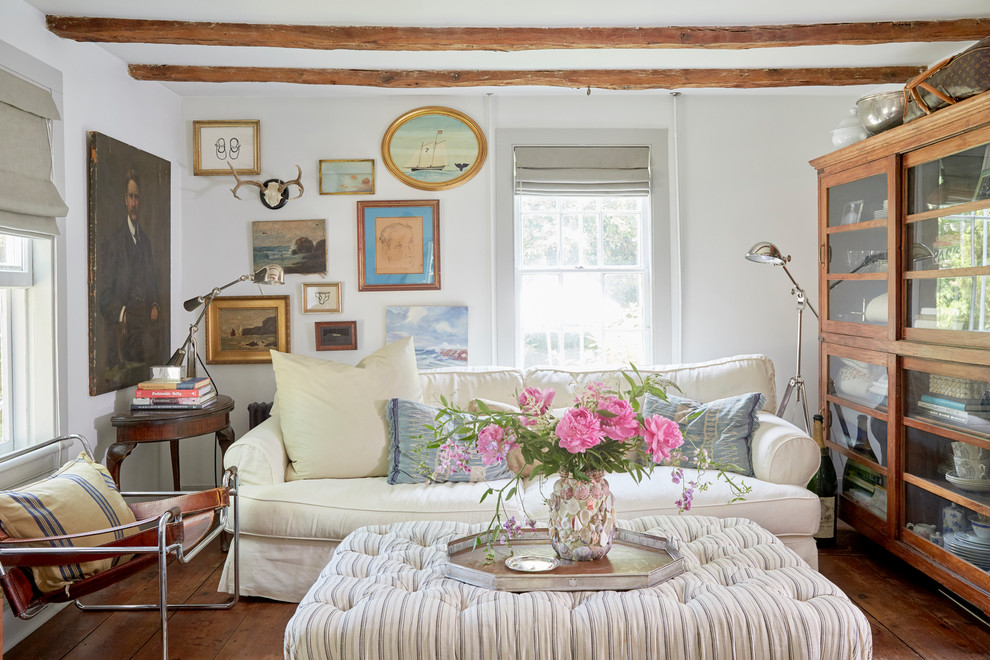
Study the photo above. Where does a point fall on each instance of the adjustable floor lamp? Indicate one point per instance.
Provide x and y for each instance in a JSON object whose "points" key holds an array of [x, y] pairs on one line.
{"points": [[768, 253], [271, 274]]}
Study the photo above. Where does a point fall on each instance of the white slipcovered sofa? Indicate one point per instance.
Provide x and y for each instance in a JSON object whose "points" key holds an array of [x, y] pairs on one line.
{"points": [[290, 528]]}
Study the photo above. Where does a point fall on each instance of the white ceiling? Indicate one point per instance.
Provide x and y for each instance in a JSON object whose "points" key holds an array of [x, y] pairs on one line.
{"points": [[521, 13]]}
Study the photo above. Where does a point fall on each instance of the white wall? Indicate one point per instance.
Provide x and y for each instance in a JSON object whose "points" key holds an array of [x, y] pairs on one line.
{"points": [[98, 95]]}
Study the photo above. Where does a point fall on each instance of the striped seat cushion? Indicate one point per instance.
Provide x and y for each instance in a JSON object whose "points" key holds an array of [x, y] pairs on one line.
{"points": [[80, 497], [743, 595]]}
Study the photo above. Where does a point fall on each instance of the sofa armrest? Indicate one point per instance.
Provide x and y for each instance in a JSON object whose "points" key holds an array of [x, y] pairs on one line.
{"points": [[782, 453], [259, 455]]}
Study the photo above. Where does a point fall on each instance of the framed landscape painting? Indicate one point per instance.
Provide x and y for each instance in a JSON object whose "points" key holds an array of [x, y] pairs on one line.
{"points": [[298, 246], [347, 177], [439, 332], [336, 335], [243, 329], [398, 245]]}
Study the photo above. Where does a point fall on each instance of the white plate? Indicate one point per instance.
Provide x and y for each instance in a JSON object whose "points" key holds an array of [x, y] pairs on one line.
{"points": [[973, 538], [975, 485]]}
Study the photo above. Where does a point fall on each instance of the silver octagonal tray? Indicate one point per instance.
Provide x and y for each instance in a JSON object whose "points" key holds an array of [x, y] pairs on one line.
{"points": [[636, 560]]}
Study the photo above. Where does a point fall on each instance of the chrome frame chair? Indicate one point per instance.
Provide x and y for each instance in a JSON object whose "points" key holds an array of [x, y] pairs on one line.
{"points": [[174, 524]]}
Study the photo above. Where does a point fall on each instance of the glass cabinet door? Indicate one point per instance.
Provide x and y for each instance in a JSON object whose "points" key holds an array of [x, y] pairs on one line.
{"points": [[947, 459], [856, 249], [948, 243], [857, 396]]}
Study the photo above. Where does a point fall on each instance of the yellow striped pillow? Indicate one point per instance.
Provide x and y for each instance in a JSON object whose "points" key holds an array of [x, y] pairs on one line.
{"points": [[80, 497]]}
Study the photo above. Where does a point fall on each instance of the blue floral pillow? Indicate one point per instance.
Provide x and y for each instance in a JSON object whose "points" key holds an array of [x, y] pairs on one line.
{"points": [[410, 461], [725, 427]]}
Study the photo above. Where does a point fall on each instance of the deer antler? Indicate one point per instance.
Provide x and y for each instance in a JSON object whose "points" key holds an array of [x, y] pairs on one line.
{"points": [[243, 183], [295, 182]]}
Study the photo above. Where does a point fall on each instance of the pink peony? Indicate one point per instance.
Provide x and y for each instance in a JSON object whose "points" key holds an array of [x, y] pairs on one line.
{"points": [[624, 425], [534, 402], [661, 435], [490, 444], [579, 429]]}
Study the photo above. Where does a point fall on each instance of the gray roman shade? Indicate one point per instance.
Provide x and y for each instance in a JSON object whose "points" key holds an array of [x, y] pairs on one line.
{"points": [[29, 200], [582, 170]]}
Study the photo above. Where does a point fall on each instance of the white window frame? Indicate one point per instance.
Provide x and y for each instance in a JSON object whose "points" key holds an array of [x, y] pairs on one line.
{"points": [[661, 318], [645, 268]]}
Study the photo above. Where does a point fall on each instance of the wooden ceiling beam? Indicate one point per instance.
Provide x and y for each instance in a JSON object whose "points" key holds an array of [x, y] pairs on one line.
{"points": [[331, 37], [634, 79]]}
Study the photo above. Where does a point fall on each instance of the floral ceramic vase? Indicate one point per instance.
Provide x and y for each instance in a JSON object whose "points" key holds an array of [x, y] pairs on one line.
{"points": [[582, 517]]}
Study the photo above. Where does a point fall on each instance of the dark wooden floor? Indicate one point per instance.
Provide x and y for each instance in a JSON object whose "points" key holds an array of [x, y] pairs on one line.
{"points": [[910, 618]]}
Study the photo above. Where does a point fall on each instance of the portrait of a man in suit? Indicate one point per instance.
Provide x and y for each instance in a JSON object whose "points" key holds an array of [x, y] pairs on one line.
{"points": [[129, 263]]}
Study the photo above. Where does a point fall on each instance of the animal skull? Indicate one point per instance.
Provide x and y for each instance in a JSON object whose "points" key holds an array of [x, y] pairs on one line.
{"points": [[271, 191]]}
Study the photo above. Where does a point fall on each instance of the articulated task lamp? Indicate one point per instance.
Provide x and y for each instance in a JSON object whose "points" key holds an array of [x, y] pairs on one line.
{"points": [[186, 352], [768, 253]]}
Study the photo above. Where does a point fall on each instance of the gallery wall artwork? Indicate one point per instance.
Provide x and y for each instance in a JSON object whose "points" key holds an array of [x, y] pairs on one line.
{"points": [[439, 332], [298, 246], [398, 245], [129, 257], [244, 329], [434, 148], [222, 144]]}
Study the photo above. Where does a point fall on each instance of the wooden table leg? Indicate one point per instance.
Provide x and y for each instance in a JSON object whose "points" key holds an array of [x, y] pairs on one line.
{"points": [[225, 438], [116, 454], [174, 447]]}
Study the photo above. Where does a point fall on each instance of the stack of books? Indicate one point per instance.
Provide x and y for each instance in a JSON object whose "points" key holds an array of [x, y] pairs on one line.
{"points": [[970, 413], [163, 394]]}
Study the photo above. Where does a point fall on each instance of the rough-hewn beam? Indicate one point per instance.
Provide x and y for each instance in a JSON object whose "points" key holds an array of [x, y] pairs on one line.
{"points": [[627, 79], [331, 37]]}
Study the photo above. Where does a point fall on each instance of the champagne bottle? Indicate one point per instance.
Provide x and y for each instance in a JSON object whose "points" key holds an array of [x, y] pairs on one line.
{"points": [[862, 444], [825, 485]]}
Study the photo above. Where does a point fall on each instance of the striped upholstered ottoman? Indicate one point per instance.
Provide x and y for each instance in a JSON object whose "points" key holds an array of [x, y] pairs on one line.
{"points": [[743, 595]]}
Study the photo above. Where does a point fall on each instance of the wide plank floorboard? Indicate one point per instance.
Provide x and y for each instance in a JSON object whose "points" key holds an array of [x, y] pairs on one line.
{"points": [[910, 618]]}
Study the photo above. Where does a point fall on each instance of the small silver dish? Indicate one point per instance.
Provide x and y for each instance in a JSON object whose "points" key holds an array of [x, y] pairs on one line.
{"points": [[531, 563]]}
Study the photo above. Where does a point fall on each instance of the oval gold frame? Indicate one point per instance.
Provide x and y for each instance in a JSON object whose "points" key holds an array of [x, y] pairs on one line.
{"points": [[464, 177]]}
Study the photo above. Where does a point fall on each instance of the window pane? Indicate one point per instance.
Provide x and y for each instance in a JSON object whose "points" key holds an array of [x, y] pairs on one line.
{"points": [[624, 347], [620, 240], [540, 238], [12, 252], [589, 240], [623, 308], [570, 239]]}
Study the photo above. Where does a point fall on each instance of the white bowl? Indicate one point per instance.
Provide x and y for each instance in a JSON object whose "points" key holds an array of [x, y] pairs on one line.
{"points": [[980, 527]]}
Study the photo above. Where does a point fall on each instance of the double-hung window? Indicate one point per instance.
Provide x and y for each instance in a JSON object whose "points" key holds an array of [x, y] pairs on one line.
{"points": [[582, 255]]}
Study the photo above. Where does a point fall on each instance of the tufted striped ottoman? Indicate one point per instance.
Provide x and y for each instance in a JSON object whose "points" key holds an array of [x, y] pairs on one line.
{"points": [[743, 595]]}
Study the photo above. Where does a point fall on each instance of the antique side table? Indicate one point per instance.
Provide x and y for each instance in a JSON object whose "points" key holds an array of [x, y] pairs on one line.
{"points": [[139, 426]]}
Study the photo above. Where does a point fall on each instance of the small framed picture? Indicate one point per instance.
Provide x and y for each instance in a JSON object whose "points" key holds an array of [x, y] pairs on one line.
{"points": [[983, 187], [347, 177], [321, 297], [398, 245], [336, 335], [216, 143], [243, 329], [852, 212]]}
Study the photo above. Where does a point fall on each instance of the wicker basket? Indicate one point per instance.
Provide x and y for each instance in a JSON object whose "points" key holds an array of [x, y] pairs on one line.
{"points": [[958, 388]]}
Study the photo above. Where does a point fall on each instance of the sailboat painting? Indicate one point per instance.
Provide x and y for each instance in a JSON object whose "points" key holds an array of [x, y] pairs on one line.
{"points": [[434, 148]]}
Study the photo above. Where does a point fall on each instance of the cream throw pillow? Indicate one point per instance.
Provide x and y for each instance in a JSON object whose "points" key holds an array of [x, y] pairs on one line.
{"points": [[80, 497], [333, 414]]}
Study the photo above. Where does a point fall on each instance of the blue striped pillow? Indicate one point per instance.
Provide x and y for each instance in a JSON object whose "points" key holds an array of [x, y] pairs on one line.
{"points": [[411, 462], [80, 497], [725, 427]]}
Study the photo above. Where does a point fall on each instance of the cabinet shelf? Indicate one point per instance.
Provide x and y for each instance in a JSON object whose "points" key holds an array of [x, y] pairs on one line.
{"points": [[904, 363]]}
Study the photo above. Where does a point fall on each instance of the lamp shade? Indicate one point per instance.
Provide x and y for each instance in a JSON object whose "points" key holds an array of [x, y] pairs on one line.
{"points": [[270, 274], [767, 253]]}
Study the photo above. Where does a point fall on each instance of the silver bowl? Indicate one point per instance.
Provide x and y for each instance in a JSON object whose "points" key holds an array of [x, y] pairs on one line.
{"points": [[879, 112]]}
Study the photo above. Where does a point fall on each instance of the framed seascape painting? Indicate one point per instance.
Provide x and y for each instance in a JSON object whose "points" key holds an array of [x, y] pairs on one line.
{"points": [[336, 335], [347, 177], [243, 329], [434, 148], [298, 246], [439, 332], [398, 245], [216, 143], [129, 255], [321, 297]]}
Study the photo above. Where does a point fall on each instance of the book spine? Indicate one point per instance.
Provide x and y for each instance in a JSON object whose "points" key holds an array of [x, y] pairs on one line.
{"points": [[174, 384], [971, 405], [169, 406], [159, 403], [152, 394], [936, 410]]}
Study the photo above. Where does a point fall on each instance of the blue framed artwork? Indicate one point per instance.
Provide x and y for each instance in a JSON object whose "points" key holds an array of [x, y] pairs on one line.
{"points": [[398, 245]]}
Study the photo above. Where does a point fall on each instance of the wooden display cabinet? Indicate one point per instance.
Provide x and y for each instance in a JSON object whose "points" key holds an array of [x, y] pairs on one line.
{"points": [[904, 293]]}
